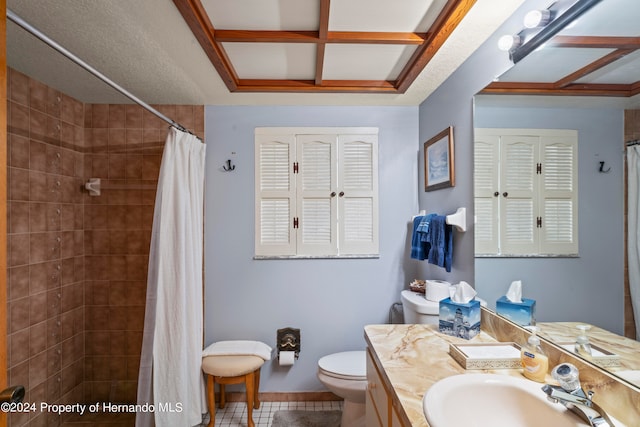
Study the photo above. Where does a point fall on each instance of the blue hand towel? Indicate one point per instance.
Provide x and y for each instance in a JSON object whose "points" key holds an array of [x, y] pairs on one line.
{"points": [[420, 237], [417, 245], [440, 237]]}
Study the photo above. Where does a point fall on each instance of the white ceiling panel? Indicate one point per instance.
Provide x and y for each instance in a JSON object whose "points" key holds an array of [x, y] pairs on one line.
{"points": [[382, 15], [273, 60], [268, 15], [367, 62], [551, 64], [616, 72]]}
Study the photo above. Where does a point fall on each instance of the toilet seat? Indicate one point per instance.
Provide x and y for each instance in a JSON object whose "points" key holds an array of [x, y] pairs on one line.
{"points": [[348, 365]]}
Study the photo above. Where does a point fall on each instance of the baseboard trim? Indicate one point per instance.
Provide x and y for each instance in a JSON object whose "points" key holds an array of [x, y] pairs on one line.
{"points": [[311, 396]]}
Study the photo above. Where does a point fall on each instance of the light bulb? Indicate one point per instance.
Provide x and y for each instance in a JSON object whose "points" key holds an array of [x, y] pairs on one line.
{"points": [[508, 42], [537, 18]]}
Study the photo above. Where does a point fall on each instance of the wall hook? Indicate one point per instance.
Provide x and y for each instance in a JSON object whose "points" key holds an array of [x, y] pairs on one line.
{"points": [[602, 170], [228, 167]]}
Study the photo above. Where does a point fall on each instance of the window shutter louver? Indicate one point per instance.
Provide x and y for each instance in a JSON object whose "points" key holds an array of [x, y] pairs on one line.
{"points": [[315, 181], [519, 156], [274, 195], [559, 198], [486, 182], [358, 180]]}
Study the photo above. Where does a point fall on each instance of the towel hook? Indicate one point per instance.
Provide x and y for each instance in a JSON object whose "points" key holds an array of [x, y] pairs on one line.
{"points": [[228, 167], [601, 170]]}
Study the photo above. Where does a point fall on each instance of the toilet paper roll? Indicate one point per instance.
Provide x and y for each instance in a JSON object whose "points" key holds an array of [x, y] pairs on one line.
{"points": [[437, 290], [286, 358]]}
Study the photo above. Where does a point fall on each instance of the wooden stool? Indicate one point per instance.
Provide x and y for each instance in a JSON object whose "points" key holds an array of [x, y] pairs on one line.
{"points": [[232, 370]]}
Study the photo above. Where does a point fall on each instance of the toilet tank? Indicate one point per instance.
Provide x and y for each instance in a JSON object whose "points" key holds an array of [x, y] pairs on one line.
{"points": [[417, 309]]}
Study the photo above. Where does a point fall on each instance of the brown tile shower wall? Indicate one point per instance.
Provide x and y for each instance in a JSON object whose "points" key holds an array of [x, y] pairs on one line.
{"points": [[123, 148], [45, 245], [77, 264]]}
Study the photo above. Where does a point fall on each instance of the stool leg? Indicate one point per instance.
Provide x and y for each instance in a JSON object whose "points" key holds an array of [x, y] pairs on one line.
{"points": [[256, 399], [250, 385], [211, 400], [223, 400]]}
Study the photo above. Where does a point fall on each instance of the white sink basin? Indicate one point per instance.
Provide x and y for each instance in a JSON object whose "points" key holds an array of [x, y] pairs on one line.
{"points": [[493, 400]]}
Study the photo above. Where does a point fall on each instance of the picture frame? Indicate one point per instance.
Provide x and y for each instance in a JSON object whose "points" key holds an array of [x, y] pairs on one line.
{"points": [[439, 165]]}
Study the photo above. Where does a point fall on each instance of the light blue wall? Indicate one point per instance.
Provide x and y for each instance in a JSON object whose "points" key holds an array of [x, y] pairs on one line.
{"points": [[588, 288], [329, 300], [451, 105]]}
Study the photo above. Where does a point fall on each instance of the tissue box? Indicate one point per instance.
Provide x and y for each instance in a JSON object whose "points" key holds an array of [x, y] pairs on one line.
{"points": [[460, 320], [522, 313]]}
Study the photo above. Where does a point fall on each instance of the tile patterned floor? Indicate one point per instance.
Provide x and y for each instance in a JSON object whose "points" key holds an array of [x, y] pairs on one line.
{"points": [[233, 415]]}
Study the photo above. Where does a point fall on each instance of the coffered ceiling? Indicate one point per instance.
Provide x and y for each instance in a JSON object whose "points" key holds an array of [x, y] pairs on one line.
{"points": [[321, 45]]}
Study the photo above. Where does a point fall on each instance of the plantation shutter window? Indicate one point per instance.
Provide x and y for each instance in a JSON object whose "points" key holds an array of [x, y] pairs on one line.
{"points": [[331, 196], [526, 201], [274, 195]]}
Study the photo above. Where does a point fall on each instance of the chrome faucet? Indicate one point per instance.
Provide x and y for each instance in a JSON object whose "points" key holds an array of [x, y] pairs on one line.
{"points": [[571, 394]]}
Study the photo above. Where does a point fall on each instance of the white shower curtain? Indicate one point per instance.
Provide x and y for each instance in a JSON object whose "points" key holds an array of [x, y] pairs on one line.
{"points": [[633, 230], [170, 376]]}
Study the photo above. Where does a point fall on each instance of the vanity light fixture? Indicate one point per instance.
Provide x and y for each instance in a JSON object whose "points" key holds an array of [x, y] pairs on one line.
{"points": [[554, 25], [537, 18]]}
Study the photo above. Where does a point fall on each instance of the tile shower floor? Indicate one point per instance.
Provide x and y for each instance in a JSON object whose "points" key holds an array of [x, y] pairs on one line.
{"points": [[233, 415]]}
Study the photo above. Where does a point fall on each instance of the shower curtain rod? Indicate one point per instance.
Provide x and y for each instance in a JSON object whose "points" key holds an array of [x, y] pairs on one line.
{"points": [[633, 142], [55, 45]]}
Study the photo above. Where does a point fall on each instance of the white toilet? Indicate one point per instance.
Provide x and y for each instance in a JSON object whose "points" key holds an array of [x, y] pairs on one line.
{"points": [[417, 309], [345, 374]]}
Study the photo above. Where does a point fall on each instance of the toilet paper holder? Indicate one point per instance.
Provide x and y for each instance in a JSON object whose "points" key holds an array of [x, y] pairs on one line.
{"points": [[288, 339]]}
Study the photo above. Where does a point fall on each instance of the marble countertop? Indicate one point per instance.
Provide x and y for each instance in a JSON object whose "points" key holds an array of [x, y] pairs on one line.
{"points": [[413, 358]]}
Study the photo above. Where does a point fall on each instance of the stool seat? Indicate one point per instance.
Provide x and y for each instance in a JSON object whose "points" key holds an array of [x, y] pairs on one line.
{"points": [[230, 366], [234, 368]]}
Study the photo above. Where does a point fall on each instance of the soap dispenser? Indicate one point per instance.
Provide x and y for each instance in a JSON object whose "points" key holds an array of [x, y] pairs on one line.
{"points": [[535, 362], [583, 347]]}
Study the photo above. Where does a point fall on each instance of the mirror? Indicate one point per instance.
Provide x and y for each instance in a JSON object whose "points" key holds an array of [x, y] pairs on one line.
{"points": [[581, 80]]}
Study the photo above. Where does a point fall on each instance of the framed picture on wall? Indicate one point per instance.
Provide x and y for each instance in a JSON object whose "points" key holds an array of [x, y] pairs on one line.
{"points": [[439, 169]]}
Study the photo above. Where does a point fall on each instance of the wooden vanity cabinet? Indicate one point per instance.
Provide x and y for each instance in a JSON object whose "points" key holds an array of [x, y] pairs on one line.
{"points": [[379, 408]]}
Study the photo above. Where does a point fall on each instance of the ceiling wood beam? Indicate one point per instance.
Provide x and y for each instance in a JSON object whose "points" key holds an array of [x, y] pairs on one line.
{"points": [[198, 21], [335, 86], [596, 42], [258, 36], [323, 29], [590, 68], [452, 14], [511, 88], [376, 37], [354, 37]]}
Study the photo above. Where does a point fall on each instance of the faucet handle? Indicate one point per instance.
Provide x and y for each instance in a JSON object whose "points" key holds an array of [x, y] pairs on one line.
{"points": [[567, 376]]}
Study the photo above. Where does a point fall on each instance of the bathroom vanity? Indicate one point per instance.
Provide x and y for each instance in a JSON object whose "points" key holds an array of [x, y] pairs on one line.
{"points": [[404, 361]]}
